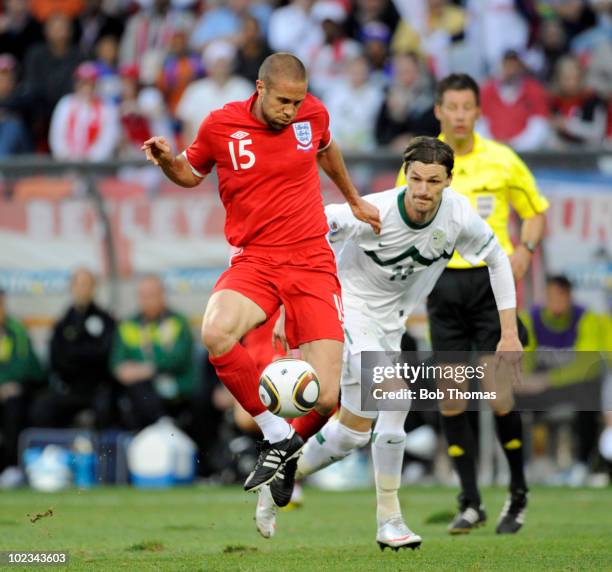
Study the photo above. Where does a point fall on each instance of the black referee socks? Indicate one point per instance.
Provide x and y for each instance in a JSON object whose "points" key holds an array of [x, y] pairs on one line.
{"points": [[462, 450], [510, 434]]}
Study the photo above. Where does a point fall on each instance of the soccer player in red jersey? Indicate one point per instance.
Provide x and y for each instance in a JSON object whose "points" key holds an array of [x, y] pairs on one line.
{"points": [[267, 150]]}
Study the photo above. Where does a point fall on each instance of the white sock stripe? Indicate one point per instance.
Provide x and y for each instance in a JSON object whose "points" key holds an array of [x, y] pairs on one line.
{"points": [[471, 515]]}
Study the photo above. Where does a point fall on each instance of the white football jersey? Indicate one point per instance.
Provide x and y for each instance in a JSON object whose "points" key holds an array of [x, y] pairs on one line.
{"points": [[384, 277]]}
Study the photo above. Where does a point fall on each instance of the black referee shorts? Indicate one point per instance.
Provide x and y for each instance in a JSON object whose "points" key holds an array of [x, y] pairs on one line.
{"points": [[462, 312]]}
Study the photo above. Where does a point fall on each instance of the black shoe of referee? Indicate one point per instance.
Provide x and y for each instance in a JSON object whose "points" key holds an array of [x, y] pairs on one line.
{"points": [[471, 515], [512, 516], [272, 456], [282, 485]]}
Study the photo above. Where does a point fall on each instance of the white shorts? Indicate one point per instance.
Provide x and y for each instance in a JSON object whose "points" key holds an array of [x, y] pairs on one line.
{"points": [[362, 334]]}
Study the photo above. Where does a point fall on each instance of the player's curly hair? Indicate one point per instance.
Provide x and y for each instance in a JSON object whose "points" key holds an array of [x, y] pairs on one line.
{"points": [[429, 150]]}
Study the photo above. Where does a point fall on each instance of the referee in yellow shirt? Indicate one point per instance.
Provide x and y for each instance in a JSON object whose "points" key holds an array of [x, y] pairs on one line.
{"points": [[462, 311]]}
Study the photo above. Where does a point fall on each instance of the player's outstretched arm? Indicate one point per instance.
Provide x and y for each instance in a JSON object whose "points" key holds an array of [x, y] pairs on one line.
{"points": [[177, 169], [332, 163]]}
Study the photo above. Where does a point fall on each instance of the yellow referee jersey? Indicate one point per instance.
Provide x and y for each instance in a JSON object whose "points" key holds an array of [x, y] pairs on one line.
{"points": [[493, 177]]}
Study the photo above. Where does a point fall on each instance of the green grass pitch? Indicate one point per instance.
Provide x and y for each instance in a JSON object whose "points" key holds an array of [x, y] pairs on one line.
{"points": [[211, 528]]}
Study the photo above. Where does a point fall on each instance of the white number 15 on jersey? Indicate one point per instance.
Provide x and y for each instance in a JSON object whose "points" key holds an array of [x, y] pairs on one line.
{"points": [[243, 153]]}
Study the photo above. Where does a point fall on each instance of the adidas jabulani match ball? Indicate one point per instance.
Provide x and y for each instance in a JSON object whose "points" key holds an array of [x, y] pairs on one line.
{"points": [[289, 387]]}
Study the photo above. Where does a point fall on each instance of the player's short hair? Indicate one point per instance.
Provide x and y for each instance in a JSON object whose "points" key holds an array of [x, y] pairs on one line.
{"points": [[457, 82], [282, 65], [429, 150], [559, 280]]}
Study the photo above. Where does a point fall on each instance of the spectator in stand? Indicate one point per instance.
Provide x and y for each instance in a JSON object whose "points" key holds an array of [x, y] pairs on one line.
{"points": [[19, 30], [326, 60], [14, 107], [83, 126], [223, 20], [552, 45], [293, 29], [181, 66], [493, 28], [147, 37], [79, 353], [599, 78], [152, 357], [407, 109], [92, 24], [48, 73], [19, 369], [375, 37], [366, 12], [142, 112], [588, 41], [108, 85], [430, 27], [576, 15], [352, 124], [42, 10], [214, 91], [253, 49], [515, 107], [579, 116]]}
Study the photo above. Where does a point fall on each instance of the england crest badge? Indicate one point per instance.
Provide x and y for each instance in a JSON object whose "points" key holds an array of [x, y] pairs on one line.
{"points": [[303, 134]]}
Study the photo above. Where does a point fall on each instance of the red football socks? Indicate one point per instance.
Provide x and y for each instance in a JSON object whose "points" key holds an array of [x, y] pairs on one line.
{"points": [[310, 424], [237, 371]]}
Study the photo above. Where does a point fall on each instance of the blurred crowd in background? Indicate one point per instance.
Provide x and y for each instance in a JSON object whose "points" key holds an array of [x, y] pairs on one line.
{"points": [[92, 79]]}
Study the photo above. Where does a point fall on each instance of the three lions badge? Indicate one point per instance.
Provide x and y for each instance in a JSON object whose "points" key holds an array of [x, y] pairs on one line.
{"points": [[303, 134]]}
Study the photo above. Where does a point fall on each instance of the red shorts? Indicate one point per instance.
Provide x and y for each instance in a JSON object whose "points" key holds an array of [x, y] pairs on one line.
{"points": [[301, 277]]}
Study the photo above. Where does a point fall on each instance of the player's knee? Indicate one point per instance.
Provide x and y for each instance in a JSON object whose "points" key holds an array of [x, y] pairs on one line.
{"points": [[328, 400], [216, 338]]}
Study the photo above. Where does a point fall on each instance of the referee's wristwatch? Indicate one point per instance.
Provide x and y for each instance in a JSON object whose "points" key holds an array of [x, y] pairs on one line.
{"points": [[530, 245]]}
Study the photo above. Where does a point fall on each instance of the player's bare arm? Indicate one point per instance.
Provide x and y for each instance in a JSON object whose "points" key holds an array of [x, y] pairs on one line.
{"points": [[332, 163], [532, 231], [176, 168]]}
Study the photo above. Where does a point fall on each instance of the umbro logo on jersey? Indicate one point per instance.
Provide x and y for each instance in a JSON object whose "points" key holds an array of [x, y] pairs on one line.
{"points": [[239, 135]]}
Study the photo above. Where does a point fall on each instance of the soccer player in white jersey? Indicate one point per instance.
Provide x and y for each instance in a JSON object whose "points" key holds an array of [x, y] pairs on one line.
{"points": [[383, 278]]}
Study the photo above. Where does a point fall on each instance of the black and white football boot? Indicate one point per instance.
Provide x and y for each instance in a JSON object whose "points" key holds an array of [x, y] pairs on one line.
{"points": [[471, 515], [271, 457], [512, 516], [282, 485]]}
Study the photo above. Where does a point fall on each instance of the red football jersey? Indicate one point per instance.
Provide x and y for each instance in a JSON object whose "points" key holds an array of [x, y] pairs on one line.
{"points": [[268, 179]]}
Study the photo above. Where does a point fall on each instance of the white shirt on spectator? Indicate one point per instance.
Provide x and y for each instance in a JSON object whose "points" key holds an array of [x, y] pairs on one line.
{"points": [[353, 111], [326, 63], [204, 96], [83, 129], [494, 27], [292, 29]]}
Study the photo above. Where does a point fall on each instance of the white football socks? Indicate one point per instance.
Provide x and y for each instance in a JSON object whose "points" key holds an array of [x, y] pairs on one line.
{"points": [[274, 428], [334, 442], [388, 456]]}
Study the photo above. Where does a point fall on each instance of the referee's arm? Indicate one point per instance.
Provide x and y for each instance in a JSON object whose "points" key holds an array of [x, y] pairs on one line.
{"points": [[530, 206], [532, 231]]}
